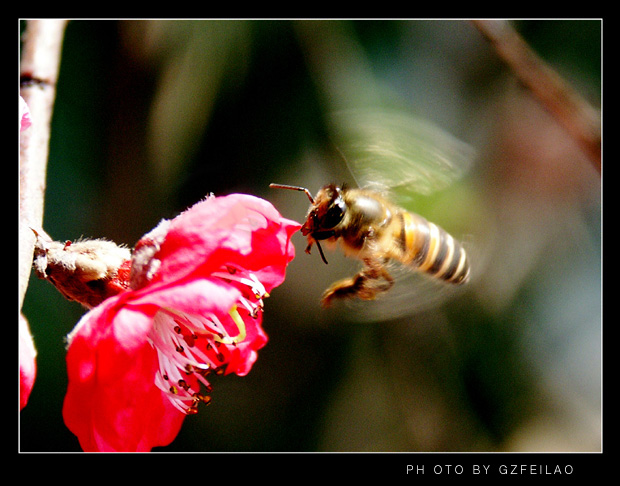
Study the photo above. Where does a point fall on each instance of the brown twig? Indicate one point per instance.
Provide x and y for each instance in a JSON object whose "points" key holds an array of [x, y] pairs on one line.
{"points": [[575, 114], [40, 59]]}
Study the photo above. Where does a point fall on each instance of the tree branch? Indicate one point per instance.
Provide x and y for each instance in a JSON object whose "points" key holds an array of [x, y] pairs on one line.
{"points": [[575, 114], [40, 60]]}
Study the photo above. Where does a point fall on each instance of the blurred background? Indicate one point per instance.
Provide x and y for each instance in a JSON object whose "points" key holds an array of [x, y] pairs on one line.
{"points": [[151, 116]]}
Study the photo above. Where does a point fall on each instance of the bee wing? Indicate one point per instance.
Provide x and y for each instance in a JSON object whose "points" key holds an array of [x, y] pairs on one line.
{"points": [[396, 152], [413, 292]]}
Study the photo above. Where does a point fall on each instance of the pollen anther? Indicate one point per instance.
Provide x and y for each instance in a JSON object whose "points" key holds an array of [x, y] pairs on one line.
{"points": [[190, 347]]}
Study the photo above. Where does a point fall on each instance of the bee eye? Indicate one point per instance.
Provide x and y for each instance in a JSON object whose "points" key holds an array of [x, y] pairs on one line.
{"points": [[334, 214]]}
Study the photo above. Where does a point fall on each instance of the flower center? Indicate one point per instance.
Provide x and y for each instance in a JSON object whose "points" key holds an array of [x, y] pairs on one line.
{"points": [[191, 347]]}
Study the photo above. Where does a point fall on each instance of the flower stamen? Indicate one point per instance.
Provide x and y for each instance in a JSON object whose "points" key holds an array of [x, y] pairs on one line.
{"points": [[246, 278], [234, 314], [190, 347]]}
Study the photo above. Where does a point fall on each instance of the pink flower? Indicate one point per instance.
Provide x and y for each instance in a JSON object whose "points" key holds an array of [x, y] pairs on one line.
{"points": [[27, 351], [138, 363], [27, 363], [24, 115]]}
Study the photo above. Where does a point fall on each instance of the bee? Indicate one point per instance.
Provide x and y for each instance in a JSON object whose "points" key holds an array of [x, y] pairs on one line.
{"points": [[372, 229], [391, 153]]}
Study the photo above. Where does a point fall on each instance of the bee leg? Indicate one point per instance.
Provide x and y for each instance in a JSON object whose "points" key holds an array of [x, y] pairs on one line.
{"points": [[372, 280], [309, 248]]}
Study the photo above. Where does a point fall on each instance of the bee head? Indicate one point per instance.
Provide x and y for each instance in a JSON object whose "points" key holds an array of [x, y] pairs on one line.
{"points": [[325, 213]]}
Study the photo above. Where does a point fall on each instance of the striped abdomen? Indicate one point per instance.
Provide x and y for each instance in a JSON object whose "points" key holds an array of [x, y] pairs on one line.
{"points": [[430, 249]]}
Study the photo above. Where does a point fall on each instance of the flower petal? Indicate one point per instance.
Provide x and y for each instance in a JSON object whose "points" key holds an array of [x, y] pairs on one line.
{"points": [[24, 115], [111, 403], [27, 363], [224, 230], [190, 296]]}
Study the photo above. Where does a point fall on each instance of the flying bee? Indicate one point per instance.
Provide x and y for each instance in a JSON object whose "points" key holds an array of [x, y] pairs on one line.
{"points": [[372, 227], [376, 231]]}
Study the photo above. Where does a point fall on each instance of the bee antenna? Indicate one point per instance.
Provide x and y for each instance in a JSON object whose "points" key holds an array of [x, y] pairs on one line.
{"points": [[294, 188]]}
